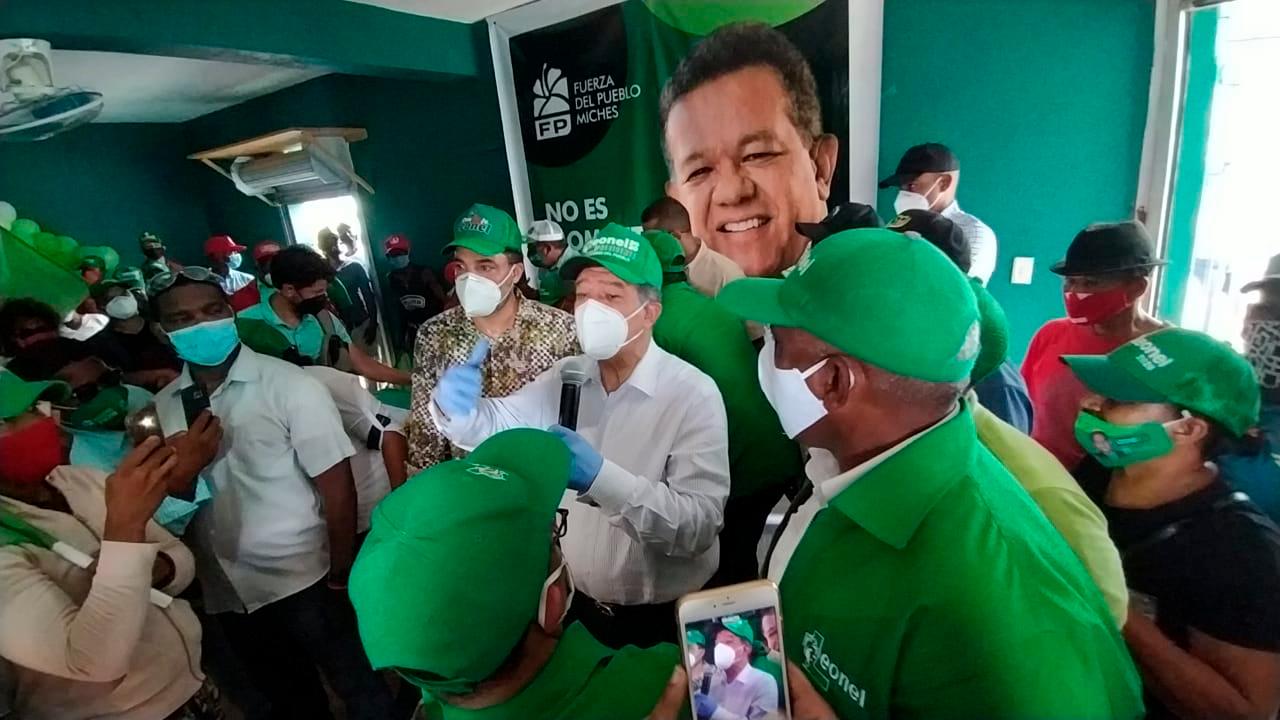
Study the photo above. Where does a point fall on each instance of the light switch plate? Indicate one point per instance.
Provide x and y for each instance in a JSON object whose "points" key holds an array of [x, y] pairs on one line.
{"points": [[1022, 268]]}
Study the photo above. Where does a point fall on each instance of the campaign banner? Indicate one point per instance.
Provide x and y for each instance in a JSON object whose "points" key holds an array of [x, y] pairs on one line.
{"points": [[588, 93]]}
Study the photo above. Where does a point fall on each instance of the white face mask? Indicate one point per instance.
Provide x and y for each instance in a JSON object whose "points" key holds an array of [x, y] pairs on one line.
{"points": [[478, 295], [546, 586], [788, 393], [123, 307], [602, 331], [908, 200], [725, 656]]}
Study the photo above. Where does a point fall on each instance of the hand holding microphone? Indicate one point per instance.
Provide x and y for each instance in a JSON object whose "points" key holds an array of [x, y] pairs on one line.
{"points": [[460, 387]]}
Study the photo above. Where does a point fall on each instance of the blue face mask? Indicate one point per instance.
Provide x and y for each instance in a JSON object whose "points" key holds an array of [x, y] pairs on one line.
{"points": [[398, 262], [234, 260], [208, 343]]}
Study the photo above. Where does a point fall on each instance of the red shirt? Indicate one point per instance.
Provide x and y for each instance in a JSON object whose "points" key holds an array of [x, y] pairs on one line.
{"points": [[1055, 391]]}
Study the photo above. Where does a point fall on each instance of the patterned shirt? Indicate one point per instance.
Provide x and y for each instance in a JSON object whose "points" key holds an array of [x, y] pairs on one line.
{"points": [[540, 336]]}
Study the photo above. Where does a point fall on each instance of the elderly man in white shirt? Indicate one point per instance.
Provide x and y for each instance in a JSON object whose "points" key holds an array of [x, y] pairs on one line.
{"points": [[927, 177], [274, 545], [651, 464]]}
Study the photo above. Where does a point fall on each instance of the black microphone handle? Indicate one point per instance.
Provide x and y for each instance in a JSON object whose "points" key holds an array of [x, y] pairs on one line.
{"points": [[569, 405]]}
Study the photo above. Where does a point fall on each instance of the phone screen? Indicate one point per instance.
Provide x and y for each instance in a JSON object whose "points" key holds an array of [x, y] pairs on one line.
{"points": [[735, 664]]}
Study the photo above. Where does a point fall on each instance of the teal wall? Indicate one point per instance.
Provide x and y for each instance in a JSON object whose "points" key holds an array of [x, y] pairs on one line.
{"points": [[106, 184], [1044, 102]]}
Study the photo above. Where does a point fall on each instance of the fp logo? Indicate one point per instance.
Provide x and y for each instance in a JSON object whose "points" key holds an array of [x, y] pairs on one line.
{"points": [[812, 646], [551, 117]]}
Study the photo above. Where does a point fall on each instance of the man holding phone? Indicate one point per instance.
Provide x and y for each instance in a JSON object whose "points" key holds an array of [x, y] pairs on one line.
{"points": [[274, 546], [913, 587]]}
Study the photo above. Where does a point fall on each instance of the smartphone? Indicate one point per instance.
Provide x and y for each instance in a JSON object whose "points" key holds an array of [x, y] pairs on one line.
{"points": [[142, 424], [731, 639], [194, 401]]}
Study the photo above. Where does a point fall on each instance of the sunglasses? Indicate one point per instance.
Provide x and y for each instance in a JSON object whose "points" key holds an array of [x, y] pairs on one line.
{"points": [[165, 280]]}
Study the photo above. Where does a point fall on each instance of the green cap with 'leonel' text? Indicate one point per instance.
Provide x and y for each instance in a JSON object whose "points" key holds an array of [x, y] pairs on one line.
{"points": [[450, 576], [621, 251], [885, 298], [1180, 367]]}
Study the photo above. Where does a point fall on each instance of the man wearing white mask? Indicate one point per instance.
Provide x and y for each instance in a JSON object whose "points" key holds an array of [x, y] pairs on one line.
{"points": [[927, 177], [525, 337], [650, 453]]}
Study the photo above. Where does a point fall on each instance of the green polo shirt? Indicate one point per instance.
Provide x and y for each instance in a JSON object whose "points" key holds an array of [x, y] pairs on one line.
{"points": [[584, 679], [702, 333], [262, 330], [937, 589], [1061, 499]]}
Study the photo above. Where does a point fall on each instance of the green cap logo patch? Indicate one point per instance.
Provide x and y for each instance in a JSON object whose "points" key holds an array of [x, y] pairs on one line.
{"points": [[475, 222], [492, 473], [972, 343]]}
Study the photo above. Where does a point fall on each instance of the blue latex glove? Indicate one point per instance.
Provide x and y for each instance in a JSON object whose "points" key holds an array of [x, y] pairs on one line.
{"points": [[586, 461], [703, 705], [459, 389]]}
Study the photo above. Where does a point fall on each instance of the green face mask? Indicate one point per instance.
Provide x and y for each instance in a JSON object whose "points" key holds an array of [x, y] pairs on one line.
{"points": [[1117, 446]]}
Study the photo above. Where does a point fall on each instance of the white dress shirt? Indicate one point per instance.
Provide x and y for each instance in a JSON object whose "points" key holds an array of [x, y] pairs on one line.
{"points": [[361, 413], [262, 537], [752, 695], [647, 529], [982, 241], [235, 280], [828, 482]]}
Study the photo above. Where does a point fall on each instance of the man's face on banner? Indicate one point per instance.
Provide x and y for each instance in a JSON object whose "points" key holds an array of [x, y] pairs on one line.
{"points": [[743, 170]]}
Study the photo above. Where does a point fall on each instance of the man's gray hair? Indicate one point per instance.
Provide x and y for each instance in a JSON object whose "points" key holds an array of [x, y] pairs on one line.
{"points": [[649, 293], [918, 393]]}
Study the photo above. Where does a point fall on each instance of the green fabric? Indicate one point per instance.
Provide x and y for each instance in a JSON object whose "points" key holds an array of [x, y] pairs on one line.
{"points": [[339, 295], [450, 598], [584, 679], [993, 333], [670, 252], [697, 330], [695, 637], [16, 531], [17, 395], [932, 589], [24, 272], [263, 331], [1182, 367], [152, 268], [851, 293], [486, 230], [129, 277], [551, 288], [397, 397], [1060, 498], [104, 411], [623, 252]]}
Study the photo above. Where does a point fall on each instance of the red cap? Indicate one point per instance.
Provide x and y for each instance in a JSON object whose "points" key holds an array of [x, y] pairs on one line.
{"points": [[395, 242], [265, 250], [221, 245]]}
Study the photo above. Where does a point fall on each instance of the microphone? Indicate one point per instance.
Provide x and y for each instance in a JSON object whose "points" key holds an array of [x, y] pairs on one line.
{"points": [[572, 374]]}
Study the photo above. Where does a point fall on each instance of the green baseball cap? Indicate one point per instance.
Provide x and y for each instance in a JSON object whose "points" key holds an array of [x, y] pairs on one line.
{"points": [[695, 637], [106, 410], [17, 395], [888, 299], [148, 240], [741, 627], [670, 253], [1180, 367], [623, 252], [993, 333], [485, 230], [127, 277], [93, 261], [445, 601]]}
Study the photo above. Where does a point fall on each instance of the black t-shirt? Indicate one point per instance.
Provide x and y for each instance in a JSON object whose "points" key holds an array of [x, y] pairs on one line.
{"points": [[1210, 561], [413, 294], [143, 350]]}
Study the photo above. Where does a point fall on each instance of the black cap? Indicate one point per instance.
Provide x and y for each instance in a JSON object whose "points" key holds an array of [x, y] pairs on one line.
{"points": [[1105, 248], [929, 157], [845, 216], [939, 231]]}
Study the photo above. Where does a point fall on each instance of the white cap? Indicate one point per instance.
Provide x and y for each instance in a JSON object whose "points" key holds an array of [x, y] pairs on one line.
{"points": [[545, 231]]}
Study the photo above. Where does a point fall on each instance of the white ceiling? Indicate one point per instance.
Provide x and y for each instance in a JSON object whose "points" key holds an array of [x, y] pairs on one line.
{"points": [[152, 88], [465, 11]]}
